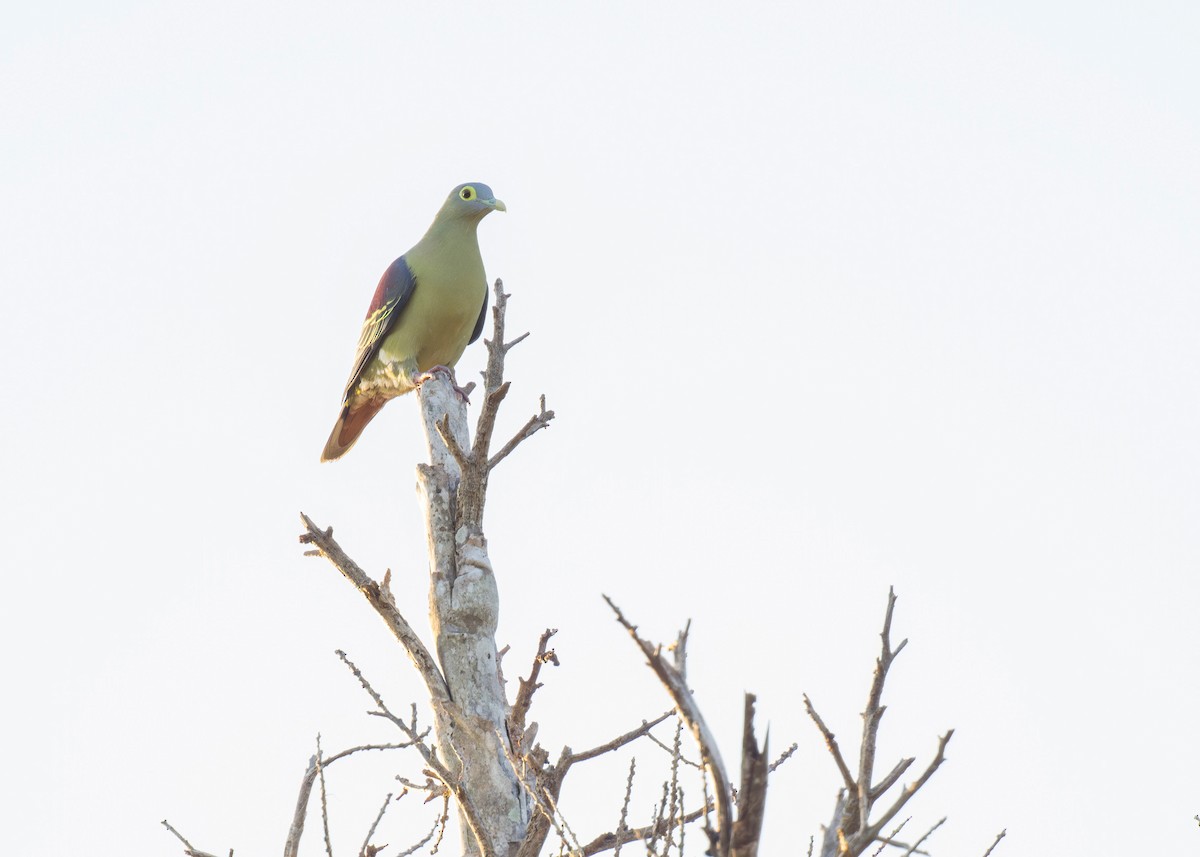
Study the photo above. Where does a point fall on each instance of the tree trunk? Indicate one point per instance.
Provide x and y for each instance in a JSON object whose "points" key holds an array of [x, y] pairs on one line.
{"points": [[464, 609]]}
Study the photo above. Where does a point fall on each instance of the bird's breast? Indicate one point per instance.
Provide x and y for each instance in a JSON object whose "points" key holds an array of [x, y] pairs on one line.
{"points": [[434, 328]]}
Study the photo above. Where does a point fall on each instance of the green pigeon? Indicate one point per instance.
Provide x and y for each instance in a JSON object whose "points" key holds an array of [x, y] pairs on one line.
{"points": [[429, 305]]}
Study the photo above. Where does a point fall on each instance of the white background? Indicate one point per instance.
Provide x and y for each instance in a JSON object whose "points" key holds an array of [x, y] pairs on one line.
{"points": [[826, 297]]}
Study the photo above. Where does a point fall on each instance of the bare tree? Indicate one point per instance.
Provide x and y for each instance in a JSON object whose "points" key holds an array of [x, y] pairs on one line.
{"points": [[480, 758]]}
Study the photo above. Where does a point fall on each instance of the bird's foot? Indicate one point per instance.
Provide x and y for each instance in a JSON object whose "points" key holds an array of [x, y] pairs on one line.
{"points": [[464, 394]]}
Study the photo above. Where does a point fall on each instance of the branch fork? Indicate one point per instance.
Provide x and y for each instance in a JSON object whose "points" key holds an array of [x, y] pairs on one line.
{"points": [[851, 831]]}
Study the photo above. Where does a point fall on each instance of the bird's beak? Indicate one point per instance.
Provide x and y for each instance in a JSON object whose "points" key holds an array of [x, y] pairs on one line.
{"points": [[497, 205]]}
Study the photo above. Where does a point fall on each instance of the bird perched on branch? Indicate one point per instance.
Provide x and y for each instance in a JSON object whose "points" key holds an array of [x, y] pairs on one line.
{"points": [[429, 305]]}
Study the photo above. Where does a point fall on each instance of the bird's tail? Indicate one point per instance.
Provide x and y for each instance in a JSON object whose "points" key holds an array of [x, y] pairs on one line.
{"points": [[349, 426]]}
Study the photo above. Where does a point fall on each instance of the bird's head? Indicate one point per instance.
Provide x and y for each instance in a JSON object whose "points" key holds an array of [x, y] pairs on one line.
{"points": [[473, 200]]}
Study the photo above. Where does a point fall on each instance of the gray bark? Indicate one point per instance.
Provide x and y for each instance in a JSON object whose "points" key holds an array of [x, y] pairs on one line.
{"points": [[464, 609]]}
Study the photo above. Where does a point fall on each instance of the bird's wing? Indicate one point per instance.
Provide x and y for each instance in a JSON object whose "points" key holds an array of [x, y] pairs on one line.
{"points": [[392, 295], [479, 321]]}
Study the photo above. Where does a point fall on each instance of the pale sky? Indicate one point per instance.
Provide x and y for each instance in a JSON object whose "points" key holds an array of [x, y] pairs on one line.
{"points": [[827, 298]]}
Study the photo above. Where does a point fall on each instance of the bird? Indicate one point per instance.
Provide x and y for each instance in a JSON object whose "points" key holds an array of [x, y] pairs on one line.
{"points": [[428, 307]]}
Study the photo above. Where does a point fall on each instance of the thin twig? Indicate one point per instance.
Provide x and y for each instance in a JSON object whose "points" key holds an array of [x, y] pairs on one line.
{"points": [[178, 835], [415, 738], [667, 749], [623, 821], [660, 825], [189, 850], [437, 825], [533, 425], [608, 841], [367, 842], [433, 789], [912, 788], [437, 843], [621, 740], [324, 805], [493, 374], [890, 839], [915, 847], [874, 713], [1004, 833], [787, 754], [678, 649], [674, 790], [830, 743], [891, 779]]}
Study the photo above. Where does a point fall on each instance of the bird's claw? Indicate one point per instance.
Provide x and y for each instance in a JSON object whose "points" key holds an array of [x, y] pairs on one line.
{"points": [[464, 394]]}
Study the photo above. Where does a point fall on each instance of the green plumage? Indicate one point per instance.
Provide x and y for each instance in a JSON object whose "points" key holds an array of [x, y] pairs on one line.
{"points": [[428, 307]]}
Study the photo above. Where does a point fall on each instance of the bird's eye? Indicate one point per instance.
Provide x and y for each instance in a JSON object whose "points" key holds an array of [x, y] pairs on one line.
{"points": [[467, 193]]}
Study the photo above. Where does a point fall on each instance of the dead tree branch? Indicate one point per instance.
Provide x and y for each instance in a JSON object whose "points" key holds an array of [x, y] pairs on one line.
{"points": [[787, 754], [670, 751], [549, 778], [890, 839], [732, 837], [916, 846], [536, 423], [324, 802], [436, 768], [609, 841], [851, 831], [439, 828], [831, 744], [618, 742], [874, 713], [475, 465], [1004, 833], [188, 848], [752, 796], [379, 596], [292, 844], [671, 675], [526, 689], [369, 850]]}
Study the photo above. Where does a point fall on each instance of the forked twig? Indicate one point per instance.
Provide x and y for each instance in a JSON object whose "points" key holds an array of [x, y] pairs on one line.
{"points": [[527, 687], [533, 425], [852, 831]]}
